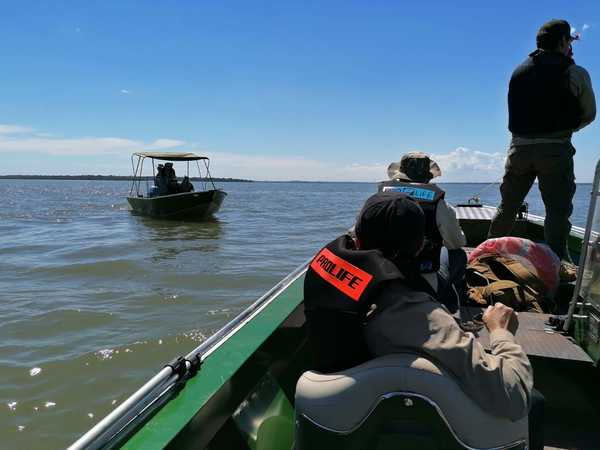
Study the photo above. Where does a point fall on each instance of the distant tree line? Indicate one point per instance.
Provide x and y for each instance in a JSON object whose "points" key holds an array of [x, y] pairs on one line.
{"points": [[106, 177]]}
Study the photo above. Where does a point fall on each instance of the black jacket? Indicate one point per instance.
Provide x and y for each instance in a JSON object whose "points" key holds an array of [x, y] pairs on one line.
{"points": [[539, 98]]}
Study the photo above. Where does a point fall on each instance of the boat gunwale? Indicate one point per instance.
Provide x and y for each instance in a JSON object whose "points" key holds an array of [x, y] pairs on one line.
{"points": [[178, 194], [117, 417]]}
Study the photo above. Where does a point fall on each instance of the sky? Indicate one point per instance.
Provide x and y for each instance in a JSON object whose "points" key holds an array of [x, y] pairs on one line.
{"points": [[273, 90]]}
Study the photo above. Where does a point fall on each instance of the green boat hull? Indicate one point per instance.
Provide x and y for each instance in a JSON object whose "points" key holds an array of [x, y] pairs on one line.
{"points": [[188, 205], [243, 394]]}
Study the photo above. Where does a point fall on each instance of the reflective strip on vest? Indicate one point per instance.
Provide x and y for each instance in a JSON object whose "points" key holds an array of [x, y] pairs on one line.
{"points": [[342, 275], [418, 193]]}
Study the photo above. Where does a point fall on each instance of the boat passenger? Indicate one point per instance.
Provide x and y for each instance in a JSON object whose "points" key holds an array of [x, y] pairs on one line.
{"points": [[442, 261], [161, 180], [172, 184], [549, 98], [364, 297], [186, 185]]}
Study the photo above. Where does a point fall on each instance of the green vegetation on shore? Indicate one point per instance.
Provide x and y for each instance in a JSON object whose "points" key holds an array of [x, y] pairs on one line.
{"points": [[105, 177]]}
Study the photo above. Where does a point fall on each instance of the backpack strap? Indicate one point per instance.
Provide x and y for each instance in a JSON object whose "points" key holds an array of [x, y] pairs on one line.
{"points": [[520, 274]]}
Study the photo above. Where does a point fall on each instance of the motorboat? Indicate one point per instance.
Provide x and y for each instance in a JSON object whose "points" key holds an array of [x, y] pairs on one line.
{"points": [[163, 196]]}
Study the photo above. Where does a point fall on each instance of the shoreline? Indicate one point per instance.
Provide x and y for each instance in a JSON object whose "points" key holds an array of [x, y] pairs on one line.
{"points": [[108, 178]]}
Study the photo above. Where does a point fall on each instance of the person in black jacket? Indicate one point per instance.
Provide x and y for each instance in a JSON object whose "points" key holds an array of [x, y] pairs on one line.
{"points": [[549, 98], [364, 297]]}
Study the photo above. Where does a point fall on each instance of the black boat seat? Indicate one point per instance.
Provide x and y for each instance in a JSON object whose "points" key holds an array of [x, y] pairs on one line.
{"points": [[398, 401]]}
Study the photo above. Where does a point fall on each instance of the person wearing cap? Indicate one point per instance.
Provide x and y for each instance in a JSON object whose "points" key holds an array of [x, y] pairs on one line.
{"points": [[549, 98], [344, 280], [171, 178], [442, 261], [364, 297], [161, 180]]}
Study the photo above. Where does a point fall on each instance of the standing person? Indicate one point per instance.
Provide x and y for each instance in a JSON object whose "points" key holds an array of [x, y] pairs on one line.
{"points": [[442, 261], [549, 98]]}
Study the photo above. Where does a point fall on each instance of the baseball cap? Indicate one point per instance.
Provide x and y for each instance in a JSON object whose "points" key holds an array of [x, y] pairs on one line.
{"points": [[391, 222], [550, 34]]}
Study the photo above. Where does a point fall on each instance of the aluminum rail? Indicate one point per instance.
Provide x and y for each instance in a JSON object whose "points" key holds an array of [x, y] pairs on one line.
{"points": [[134, 406], [594, 199]]}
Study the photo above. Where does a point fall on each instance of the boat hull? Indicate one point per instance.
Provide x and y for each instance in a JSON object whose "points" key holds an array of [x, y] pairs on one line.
{"points": [[188, 205], [243, 394]]}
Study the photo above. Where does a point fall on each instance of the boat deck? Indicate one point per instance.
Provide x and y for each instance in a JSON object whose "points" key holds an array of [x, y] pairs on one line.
{"points": [[536, 337], [475, 212]]}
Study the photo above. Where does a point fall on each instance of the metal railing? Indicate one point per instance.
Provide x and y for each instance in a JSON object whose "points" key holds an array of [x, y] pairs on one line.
{"points": [[135, 408], [587, 240]]}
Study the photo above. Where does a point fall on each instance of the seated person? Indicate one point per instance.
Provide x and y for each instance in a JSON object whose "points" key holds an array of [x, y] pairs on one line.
{"points": [[365, 297], [443, 261], [185, 185], [171, 178], [161, 180]]}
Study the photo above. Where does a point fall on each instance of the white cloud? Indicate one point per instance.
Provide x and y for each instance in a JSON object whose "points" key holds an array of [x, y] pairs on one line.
{"points": [[14, 129], [125, 91], [465, 165], [11, 142], [277, 168], [585, 27], [165, 143], [460, 165]]}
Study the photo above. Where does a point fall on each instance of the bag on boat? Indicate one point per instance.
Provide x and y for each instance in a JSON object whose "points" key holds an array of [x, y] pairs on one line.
{"points": [[513, 271], [537, 258]]}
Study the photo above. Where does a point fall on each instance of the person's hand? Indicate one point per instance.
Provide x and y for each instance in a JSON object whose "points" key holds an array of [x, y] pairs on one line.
{"points": [[500, 316]]}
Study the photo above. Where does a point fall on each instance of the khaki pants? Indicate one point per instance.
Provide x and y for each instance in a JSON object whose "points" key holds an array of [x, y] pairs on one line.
{"points": [[552, 164]]}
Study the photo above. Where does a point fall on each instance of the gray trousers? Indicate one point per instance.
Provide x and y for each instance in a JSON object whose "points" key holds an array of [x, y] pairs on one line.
{"points": [[552, 164]]}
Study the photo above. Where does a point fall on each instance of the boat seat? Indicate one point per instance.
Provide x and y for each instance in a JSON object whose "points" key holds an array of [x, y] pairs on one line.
{"points": [[398, 401]]}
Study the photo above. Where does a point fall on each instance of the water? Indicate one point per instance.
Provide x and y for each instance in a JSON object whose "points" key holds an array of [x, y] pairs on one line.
{"points": [[96, 300]]}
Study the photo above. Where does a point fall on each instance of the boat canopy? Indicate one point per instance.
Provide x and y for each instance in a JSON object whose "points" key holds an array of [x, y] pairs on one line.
{"points": [[171, 156]]}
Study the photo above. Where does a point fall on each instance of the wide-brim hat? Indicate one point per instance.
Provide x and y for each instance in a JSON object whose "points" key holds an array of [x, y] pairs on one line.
{"points": [[414, 166]]}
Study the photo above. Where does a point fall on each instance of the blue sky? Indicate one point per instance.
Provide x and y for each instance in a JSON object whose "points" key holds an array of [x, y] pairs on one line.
{"points": [[326, 90]]}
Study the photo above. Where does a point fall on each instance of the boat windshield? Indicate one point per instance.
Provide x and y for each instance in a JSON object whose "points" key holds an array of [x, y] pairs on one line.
{"points": [[590, 282], [589, 275]]}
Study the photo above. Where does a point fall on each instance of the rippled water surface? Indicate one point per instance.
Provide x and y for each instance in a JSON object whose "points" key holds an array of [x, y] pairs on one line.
{"points": [[95, 300]]}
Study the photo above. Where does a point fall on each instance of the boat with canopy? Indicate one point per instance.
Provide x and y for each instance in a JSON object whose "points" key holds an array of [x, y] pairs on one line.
{"points": [[164, 196], [248, 386]]}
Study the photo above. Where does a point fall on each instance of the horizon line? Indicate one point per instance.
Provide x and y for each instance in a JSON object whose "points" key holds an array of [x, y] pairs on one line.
{"points": [[91, 177]]}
